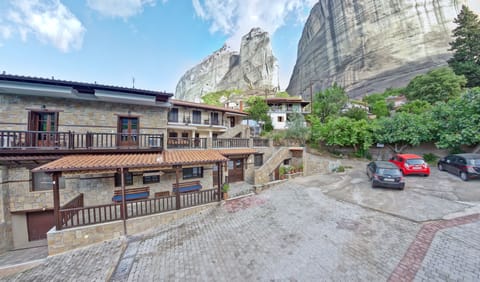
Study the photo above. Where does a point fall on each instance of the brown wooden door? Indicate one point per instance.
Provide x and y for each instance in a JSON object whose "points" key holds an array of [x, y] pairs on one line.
{"points": [[38, 224], [235, 170], [128, 128], [232, 121], [46, 125]]}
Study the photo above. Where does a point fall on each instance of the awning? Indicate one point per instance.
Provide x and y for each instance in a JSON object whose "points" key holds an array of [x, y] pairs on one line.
{"points": [[148, 161], [237, 151]]}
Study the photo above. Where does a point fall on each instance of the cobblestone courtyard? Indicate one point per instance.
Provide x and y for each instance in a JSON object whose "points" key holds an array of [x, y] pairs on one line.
{"points": [[318, 228]]}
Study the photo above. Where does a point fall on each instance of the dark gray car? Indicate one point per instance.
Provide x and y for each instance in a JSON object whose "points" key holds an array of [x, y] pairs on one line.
{"points": [[385, 174], [467, 166]]}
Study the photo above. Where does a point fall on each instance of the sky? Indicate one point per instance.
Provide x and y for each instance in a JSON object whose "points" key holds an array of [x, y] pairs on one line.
{"points": [[148, 44]]}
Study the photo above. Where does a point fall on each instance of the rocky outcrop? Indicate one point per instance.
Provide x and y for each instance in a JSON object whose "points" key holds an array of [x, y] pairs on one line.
{"points": [[254, 67], [368, 46]]}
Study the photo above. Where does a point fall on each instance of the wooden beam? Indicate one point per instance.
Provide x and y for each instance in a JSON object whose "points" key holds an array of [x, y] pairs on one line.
{"points": [[56, 200], [177, 193], [124, 205]]}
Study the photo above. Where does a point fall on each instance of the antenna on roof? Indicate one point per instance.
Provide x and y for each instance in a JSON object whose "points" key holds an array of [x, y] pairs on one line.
{"points": [[133, 82]]}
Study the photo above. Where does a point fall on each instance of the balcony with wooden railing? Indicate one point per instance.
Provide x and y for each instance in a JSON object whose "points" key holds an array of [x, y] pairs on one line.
{"points": [[38, 141]]}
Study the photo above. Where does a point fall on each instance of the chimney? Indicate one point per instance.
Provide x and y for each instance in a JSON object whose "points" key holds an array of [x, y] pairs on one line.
{"points": [[241, 105]]}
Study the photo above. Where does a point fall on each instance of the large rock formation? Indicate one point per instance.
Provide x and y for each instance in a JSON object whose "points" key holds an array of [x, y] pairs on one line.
{"points": [[255, 67], [368, 46]]}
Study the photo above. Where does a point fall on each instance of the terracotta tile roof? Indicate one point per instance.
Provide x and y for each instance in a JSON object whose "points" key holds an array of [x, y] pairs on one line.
{"points": [[177, 157], [205, 106], [239, 151], [93, 163], [102, 162]]}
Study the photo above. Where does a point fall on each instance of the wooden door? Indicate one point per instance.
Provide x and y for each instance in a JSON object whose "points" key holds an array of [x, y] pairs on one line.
{"points": [[38, 224], [215, 175], [235, 170], [232, 121], [44, 125], [128, 129]]}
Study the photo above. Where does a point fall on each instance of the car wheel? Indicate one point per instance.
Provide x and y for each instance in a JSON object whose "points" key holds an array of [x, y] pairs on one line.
{"points": [[464, 176], [425, 175], [440, 167]]}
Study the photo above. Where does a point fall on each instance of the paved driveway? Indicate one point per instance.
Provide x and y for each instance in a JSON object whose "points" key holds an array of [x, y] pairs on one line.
{"points": [[331, 227]]}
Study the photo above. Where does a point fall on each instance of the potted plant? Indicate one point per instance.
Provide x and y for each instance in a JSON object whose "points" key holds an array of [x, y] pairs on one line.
{"points": [[281, 171], [225, 189], [300, 168]]}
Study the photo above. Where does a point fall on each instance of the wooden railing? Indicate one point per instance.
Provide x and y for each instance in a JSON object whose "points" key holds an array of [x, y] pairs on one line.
{"points": [[79, 216], [186, 143], [198, 198], [150, 206], [74, 141], [257, 142], [230, 143], [74, 217]]}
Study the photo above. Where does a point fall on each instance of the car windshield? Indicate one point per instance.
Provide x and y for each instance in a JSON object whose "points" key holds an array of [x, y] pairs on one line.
{"points": [[415, 161], [389, 171], [474, 162]]}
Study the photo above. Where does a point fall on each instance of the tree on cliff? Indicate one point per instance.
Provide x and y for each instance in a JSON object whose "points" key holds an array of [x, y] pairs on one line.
{"points": [[440, 84], [329, 102], [466, 47]]}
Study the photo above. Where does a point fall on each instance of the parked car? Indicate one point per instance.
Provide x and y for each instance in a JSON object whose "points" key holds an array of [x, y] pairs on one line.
{"points": [[467, 166], [385, 174], [411, 164]]}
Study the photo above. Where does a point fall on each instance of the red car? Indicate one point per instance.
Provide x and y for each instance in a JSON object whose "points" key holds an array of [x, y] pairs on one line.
{"points": [[411, 164]]}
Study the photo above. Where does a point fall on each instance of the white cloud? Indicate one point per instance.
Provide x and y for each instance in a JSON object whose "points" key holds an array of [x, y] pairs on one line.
{"points": [[49, 20], [236, 17], [120, 8]]}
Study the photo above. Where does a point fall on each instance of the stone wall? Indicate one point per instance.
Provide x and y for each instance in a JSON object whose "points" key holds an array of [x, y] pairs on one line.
{"points": [[5, 219], [80, 116], [22, 198], [262, 174], [69, 239]]}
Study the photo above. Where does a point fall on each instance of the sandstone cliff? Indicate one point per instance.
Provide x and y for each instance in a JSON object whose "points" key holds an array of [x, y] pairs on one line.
{"points": [[254, 67], [368, 46]]}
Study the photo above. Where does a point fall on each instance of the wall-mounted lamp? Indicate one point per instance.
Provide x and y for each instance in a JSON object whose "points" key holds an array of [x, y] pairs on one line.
{"points": [[44, 107]]}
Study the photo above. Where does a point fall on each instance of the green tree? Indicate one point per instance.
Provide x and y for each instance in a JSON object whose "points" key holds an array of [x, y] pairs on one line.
{"points": [[439, 84], [296, 128], [258, 111], [344, 131], [215, 98], [329, 102], [416, 107], [380, 109], [356, 113], [282, 94], [466, 47], [456, 122], [401, 130]]}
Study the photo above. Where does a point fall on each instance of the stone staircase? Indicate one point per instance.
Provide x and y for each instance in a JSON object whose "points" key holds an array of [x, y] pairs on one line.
{"points": [[262, 174], [232, 132]]}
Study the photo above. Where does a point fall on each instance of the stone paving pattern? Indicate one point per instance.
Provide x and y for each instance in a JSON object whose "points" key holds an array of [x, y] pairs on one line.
{"points": [[271, 239], [330, 227], [95, 263]]}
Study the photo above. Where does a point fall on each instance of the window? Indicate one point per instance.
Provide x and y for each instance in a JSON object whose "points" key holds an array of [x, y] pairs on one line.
{"points": [[173, 134], [173, 115], [280, 119], [184, 134], [43, 182], [258, 159], [214, 118], [197, 117], [128, 127], [151, 177], [192, 172], [46, 123], [128, 177]]}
